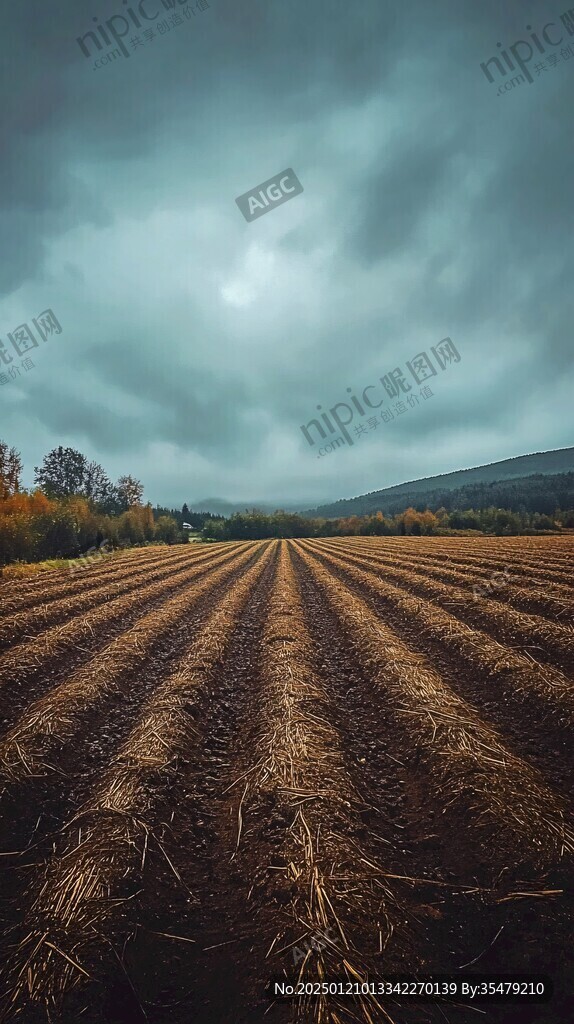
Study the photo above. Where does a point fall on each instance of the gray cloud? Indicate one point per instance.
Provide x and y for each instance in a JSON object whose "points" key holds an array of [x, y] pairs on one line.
{"points": [[196, 344]]}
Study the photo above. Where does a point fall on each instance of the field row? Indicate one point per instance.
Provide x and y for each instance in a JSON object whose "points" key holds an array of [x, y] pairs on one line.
{"points": [[283, 758]]}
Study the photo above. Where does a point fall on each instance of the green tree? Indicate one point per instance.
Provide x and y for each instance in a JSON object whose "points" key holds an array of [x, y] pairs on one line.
{"points": [[97, 485], [167, 529], [62, 472], [130, 492], [215, 529], [10, 471]]}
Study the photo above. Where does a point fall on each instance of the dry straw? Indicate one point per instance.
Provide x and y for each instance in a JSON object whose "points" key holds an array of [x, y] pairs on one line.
{"points": [[27, 622], [502, 797], [332, 886], [26, 659], [555, 603], [81, 903], [514, 626], [489, 553], [132, 565], [477, 649], [57, 717]]}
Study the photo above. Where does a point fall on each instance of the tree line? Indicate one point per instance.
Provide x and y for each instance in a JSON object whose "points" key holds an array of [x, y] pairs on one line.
{"points": [[73, 508], [254, 524], [196, 520]]}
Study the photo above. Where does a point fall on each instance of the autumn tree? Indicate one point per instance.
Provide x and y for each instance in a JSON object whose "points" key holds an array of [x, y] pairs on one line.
{"points": [[429, 522]]}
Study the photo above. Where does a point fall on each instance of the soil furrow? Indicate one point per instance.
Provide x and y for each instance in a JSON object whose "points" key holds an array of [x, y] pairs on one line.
{"points": [[476, 777], [30, 622], [82, 902], [55, 719], [539, 598], [42, 662], [300, 819], [532, 704], [543, 640]]}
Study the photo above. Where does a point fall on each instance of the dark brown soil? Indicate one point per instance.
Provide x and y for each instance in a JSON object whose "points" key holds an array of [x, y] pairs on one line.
{"points": [[193, 941]]}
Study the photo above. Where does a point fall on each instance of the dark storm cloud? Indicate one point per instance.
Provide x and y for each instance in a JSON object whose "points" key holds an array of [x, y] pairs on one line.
{"points": [[411, 179], [195, 344]]}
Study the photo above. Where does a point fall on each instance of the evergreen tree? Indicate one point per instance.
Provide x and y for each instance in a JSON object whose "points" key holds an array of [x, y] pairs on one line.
{"points": [[10, 471]]}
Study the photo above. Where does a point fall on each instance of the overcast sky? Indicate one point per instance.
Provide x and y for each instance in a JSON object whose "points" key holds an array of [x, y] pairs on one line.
{"points": [[195, 344]]}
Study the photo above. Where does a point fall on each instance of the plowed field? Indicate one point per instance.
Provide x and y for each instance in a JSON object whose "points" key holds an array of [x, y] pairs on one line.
{"points": [[315, 759]]}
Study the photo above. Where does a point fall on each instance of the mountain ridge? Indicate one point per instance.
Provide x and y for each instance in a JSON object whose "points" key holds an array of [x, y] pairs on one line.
{"points": [[551, 463]]}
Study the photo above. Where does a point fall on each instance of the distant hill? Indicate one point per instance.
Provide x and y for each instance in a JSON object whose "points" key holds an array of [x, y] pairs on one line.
{"points": [[473, 488], [221, 507]]}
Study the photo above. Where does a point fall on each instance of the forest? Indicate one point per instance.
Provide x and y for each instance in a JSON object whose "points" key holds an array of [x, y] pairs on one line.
{"points": [[75, 507], [537, 492], [253, 524]]}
